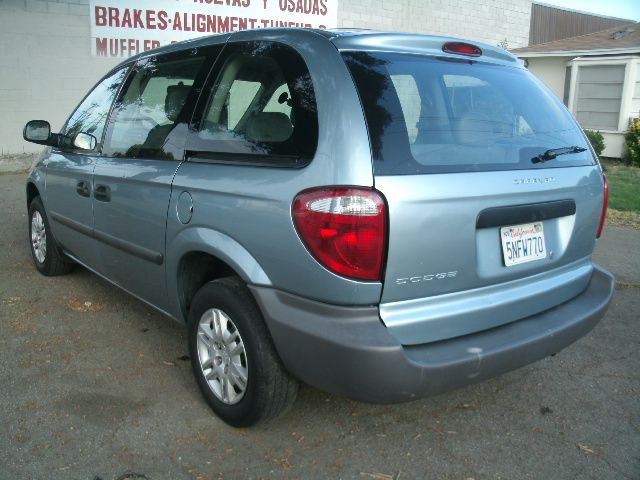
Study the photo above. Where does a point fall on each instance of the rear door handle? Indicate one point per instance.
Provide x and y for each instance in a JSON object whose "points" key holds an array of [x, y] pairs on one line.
{"points": [[83, 189], [102, 193]]}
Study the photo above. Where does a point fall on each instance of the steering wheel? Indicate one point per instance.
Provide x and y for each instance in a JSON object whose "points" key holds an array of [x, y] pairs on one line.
{"points": [[146, 121], [468, 133], [143, 120]]}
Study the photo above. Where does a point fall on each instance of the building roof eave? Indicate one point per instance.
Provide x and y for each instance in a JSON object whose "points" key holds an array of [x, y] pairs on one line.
{"points": [[579, 53]]}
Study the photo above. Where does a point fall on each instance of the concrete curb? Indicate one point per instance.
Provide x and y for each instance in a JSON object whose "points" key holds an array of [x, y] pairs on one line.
{"points": [[16, 163]]}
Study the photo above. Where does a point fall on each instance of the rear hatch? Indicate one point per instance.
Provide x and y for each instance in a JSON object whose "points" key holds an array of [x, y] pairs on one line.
{"points": [[494, 194]]}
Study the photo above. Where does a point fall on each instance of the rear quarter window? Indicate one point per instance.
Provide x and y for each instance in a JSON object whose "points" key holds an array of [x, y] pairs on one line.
{"points": [[437, 115], [260, 110]]}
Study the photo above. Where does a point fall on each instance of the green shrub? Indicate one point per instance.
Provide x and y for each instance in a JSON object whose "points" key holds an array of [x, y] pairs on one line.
{"points": [[632, 142], [596, 139]]}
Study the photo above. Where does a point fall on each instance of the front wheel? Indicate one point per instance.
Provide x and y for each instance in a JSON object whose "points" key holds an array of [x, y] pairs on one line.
{"points": [[233, 357], [44, 250]]}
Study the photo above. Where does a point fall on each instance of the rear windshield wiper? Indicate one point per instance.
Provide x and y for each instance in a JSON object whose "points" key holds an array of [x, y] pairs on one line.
{"points": [[554, 152]]}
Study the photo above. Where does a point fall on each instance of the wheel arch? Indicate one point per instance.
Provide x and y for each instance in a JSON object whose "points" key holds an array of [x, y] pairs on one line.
{"points": [[197, 268], [197, 256], [32, 192]]}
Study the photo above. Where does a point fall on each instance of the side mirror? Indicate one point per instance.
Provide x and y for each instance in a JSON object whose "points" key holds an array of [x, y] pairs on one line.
{"points": [[85, 141], [37, 131]]}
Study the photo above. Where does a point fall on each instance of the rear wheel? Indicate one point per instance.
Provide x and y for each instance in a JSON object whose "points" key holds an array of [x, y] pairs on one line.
{"points": [[233, 357], [44, 250]]}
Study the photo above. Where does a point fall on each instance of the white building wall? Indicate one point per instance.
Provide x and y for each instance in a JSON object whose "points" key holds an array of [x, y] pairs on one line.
{"points": [[613, 144], [551, 70], [490, 21], [634, 108], [46, 65]]}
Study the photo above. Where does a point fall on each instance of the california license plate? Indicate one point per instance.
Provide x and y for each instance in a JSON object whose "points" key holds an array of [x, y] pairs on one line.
{"points": [[523, 243]]}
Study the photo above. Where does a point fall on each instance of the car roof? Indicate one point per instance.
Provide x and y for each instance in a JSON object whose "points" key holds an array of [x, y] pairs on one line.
{"points": [[413, 43], [346, 40]]}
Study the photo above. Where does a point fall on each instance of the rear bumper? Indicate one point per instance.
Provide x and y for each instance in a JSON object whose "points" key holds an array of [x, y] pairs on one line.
{"points": [[348, 351]]}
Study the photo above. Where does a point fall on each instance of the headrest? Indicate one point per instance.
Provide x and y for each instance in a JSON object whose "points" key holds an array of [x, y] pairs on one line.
{"points": [[269, 127], [175, 100], [474, 129]]}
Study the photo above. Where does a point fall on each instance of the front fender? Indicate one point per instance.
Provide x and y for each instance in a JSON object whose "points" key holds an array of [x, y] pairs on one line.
{"points": [[37, 176], [217, 244]]}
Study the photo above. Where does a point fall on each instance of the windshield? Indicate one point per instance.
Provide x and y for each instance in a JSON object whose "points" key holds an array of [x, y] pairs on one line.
{"points": [[435, 115]]}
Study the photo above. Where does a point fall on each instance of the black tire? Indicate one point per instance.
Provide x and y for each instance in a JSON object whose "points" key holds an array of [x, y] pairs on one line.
{"points": [[54, 262], [270, 390]]}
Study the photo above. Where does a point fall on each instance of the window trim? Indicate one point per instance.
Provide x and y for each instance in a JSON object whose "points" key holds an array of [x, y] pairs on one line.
{"points": [[246, 159]]}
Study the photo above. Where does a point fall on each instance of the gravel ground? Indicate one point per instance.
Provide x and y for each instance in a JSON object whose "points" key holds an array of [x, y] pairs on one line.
{"points": [[97, 386]]}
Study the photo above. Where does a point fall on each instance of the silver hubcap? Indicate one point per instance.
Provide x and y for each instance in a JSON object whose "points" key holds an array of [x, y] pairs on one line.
{"points": [[222, 356], [38, 237]]}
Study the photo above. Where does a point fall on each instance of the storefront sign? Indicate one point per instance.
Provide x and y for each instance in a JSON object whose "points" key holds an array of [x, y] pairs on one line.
{"points": [[121, 28]]}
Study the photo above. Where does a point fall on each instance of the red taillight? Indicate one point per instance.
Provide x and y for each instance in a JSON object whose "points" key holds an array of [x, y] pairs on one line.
{"points": [[461, 48], [344, 229], [605, 205]]}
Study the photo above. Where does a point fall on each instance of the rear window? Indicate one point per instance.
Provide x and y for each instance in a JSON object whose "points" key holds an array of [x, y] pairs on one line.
{"points": [[437, 115]]}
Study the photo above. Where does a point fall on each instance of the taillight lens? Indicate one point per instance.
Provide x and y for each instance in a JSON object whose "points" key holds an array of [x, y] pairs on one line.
{"points": [[605, 205], [461, 48], [344, 229]]}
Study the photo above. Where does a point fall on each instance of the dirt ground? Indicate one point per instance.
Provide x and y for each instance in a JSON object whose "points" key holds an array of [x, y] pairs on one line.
{"points": [[95, 385]]}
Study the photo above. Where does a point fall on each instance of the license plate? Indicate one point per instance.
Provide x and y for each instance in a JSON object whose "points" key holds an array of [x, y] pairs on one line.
{"points": [[523, 243]]}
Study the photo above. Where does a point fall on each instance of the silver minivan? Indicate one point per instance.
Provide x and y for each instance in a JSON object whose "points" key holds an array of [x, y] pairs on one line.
{"points": [[382, 216]]}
